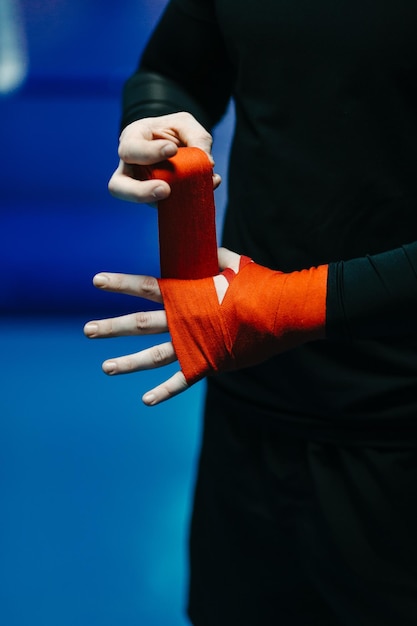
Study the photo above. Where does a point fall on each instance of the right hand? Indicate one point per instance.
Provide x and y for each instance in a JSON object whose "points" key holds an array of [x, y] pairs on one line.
{"points": [[151, 140]]}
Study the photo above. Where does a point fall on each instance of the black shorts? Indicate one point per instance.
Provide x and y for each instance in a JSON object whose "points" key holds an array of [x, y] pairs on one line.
{"points": [[292, 532]]}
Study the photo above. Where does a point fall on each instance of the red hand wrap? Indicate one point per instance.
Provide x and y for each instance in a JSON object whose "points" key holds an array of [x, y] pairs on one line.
{"points": [[186, 219], [262, 314]]}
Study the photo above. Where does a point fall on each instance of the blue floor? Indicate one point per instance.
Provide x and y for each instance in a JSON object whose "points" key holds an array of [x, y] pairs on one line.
{"points": [[95, 488]]}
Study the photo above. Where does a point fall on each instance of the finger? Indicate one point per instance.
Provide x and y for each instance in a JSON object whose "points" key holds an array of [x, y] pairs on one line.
{"points": [[184, 126], [170, 388], [147, 152], [125, 185], [151, 140], [129, 284], [143, 142], [227, 258], [144, 323], [151, 358]]}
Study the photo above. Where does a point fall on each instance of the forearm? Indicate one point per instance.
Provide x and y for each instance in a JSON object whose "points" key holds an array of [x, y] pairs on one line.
{"points": [[374, 296], [184, 68], [148, 94]]}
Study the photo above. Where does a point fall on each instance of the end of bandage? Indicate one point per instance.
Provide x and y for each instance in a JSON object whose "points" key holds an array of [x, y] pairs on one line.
{"points": [[186, 219]]}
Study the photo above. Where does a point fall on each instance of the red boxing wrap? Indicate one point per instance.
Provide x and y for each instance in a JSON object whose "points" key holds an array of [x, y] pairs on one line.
{"points": [[186, 219], [263, 313]]}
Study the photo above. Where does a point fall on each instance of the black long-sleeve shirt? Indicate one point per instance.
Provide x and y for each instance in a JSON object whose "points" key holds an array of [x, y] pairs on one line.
{"points": [[323, 169]]}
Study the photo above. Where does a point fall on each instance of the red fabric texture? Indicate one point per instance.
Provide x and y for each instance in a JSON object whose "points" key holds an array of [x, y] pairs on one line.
{"points": [[186, 219], [263, 313]]}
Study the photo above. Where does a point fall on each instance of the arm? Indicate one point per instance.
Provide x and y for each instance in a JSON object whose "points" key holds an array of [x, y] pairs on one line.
{"points": [[374, 296], [249, 313], [184, 67], [242, 316], [179, 92]]}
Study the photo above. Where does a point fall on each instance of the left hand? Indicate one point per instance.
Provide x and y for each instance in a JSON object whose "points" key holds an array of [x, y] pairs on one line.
{"points": [[237, 319], [148, 323]]}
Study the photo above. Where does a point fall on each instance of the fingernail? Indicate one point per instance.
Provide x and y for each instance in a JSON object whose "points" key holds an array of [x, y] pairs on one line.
{"points": [[159, 193], [109, 367], [90, 329], [149, 398], [169, 150], [100, 280]]}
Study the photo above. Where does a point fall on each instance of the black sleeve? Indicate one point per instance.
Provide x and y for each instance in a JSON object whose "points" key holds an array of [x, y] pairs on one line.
{"points": [[184, 67], [373, 297]]}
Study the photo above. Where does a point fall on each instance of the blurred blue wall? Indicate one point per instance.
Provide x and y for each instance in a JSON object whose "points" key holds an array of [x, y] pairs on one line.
{"points": [[58, 142], [59, 134]]}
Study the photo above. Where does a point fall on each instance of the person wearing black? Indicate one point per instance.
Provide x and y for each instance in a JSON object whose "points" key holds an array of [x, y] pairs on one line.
{"points": [[306, 498]]}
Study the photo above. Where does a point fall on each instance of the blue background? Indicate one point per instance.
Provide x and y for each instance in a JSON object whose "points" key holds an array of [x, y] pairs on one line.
{"points": [[95, 488]]}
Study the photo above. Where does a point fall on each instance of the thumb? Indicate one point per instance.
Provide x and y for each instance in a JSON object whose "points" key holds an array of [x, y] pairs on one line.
{"points": [[191, 133], [202, 141]]}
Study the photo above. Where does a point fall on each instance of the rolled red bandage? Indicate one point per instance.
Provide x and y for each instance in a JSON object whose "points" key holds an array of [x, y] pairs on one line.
{"points": [[263, 312], [186, 219]]}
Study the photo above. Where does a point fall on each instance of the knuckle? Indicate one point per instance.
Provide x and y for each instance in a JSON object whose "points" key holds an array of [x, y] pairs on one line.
{"points": [[174, 386], [207, 137], [106, 328], [159, 355], [112, 186], [118, 282], [127, 150], [142, 321], [185, 115], [149, 286], [129, 364], [123, 151], [182, 383], [168, 391], [188, 118]]}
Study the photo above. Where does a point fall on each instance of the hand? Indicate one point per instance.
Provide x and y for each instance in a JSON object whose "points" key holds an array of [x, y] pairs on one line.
{"points": [[148, 323], [151, 140], [236, 319]]}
